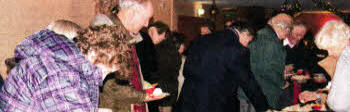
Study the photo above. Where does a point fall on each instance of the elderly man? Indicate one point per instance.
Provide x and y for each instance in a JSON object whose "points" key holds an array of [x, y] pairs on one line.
{"points": [[132, 15], [295, 50], [268, 56], [295, 59], [216, 66], [297, 34]]}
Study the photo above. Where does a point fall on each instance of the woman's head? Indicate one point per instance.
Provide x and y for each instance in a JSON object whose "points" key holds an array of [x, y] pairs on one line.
{"points": [[334, 35], [66, 28], [158, 31], [179, 41], [103, 47]]}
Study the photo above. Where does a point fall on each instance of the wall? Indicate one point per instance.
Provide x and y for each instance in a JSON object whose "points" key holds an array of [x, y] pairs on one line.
{"points": [[164, 11]]}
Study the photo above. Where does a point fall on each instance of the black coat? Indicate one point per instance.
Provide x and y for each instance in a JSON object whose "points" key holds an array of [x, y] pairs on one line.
{"points": [[147, 57], [160, 64], [216, 65]]}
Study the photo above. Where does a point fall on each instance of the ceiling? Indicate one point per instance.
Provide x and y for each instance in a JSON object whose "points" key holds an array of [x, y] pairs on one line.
{"points": [[306, 4]]}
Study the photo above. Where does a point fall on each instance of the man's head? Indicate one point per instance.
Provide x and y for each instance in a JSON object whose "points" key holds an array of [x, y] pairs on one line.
{"points": [[66, 28], [245, 32], [158, 31], [228, 24], [205, 29], [282, 24], [135, 14], [298, 32]]}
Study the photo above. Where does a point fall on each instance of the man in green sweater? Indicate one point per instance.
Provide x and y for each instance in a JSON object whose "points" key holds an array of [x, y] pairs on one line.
{"points": [[268, 56]]}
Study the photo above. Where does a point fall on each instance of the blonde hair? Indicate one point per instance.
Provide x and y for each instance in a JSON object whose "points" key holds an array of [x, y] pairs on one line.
{"points": [[332, 35], [65, 27]]}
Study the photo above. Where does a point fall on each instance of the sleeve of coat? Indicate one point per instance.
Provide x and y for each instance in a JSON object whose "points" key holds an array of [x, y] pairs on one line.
{"points": [[113, 92], [247, 82]]}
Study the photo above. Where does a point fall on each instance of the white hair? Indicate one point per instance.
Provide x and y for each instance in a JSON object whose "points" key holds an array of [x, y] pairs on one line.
{"points": [[281, 20], [101, 19], [131, 4], [64, 27], [332, 35]]}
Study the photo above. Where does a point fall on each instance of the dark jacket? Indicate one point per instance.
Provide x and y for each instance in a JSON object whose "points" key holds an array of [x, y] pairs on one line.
{"points": [[169, 62], [160, 64], [295, 55], [147, 57], [268, 61], [216, 66]]}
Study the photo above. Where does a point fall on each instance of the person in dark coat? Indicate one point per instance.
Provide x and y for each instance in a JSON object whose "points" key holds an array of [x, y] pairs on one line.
{"points": [[216, 66], [295, 60], [268, 57], [295, 50], [160, 63]]}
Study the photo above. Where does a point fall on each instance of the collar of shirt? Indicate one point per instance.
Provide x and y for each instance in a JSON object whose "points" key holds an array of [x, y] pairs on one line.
{"points": [[286, 42]]}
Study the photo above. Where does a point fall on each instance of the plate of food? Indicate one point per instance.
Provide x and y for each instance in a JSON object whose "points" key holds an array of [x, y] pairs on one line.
{"points": [[299, 78]]}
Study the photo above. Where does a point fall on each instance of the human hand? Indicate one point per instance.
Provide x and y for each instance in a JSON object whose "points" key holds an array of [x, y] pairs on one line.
{"points": [[288, 68], [286, 85], [151, 97], [307, 96]]}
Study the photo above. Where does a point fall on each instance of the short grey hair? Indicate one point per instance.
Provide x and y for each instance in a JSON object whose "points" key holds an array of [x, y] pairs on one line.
{"points": [[64, 27], [131, 4], [281, 20]]}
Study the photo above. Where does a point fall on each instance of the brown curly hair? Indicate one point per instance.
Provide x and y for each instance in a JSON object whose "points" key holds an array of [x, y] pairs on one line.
{"points": [[110, 46]]}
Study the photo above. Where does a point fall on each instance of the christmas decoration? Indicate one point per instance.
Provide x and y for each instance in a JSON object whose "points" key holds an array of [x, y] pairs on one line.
{"points": [[329, 7], [291, 7], [326, 6], [213, 9]]}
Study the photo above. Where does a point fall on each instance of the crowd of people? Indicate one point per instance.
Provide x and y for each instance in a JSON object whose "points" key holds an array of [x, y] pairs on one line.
{"points": [[122, 62]]}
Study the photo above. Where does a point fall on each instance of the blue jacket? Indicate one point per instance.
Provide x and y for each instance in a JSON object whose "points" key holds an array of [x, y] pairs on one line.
{"points": [[216, 65]]}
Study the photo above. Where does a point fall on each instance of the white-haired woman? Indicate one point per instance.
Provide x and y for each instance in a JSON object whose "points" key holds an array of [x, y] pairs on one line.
{"points": [[334, 37]]}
